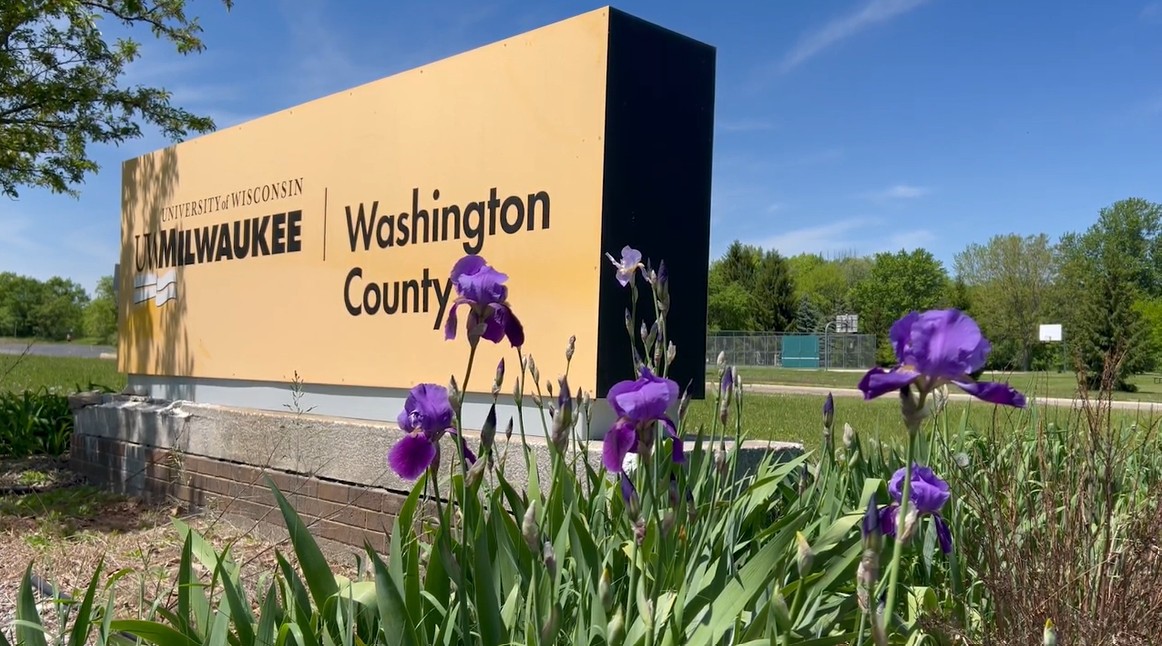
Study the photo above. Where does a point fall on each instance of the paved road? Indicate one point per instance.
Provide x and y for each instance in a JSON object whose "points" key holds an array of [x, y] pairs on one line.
{"points": [[57, 349], [774, 389]]}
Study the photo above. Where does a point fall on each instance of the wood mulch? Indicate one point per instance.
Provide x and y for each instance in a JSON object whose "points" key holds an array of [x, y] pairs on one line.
{"points": [[51, 519]]}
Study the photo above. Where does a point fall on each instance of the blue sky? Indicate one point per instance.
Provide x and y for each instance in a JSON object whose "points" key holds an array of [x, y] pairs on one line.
{"points": [[845, 125]]}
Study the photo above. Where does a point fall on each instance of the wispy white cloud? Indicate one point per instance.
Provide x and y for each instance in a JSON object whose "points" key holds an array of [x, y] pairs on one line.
{"points": [[20, 235], [824, 156], [864, 235], [204, 93], [83, 252], [900, 192], [754, 167], [15, 231], [185, 79], [328, 65], [824, 237], [745, 125], [840, 29], [906, 240], [331, 63]]}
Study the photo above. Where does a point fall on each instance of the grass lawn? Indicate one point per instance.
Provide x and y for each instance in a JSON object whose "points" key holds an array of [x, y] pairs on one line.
{"points": [[67, 374], [799, 418], [1043, 384], [792, 418], [77, 341]]}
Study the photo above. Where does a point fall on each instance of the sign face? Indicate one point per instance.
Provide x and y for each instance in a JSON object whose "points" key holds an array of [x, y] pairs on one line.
{"points": [[1050, 332], [319, 239], [847, 323]]}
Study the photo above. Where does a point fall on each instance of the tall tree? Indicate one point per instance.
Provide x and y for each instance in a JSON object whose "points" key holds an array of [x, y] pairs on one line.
{"points": [[740, 264], [60, 312], [854, 269], [729, 305], [101, 312], [807, 316], [897, 284], [1150, 309], [1133, 228], [19, 298], [823, 282], [50, 309], [747, 278], [959, 295], [1012, 277], [1105, 273], [61, 85], [774, 293], [1110, 331]]}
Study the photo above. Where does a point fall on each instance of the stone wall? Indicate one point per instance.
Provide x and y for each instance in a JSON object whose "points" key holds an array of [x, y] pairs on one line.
{"points": [[342, 512], [333, 470]]}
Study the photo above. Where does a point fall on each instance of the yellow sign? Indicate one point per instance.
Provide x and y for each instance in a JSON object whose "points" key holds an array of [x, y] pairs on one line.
{"points": [[319, 239]]}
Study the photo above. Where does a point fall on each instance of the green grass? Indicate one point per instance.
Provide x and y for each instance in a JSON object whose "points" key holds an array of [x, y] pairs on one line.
{"points": [[78, 503], [799, 418], [1042, 384], [791, 418], [58, 374], [76, 341]]}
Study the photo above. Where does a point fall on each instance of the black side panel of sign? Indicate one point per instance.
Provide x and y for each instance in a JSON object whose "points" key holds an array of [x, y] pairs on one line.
{"points": [[658, 153]]}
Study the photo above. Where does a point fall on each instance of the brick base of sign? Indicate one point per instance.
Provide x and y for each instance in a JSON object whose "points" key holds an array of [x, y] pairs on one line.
{"points": [[332, 470], [345, 513]]}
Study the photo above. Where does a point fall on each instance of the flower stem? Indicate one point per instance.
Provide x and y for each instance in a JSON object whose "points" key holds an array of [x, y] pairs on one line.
{"points": [[796, 606], [520, 409], [898, 548], [661, 340], [444, 539], [464, 385], [461, 589], [633, 324]]}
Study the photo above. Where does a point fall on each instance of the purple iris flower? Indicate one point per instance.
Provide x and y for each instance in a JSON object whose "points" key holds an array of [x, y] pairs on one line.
{"points": [[426, 416], [631, 261], [934, 348], [928, 495], [482, 288], [639, 404]]}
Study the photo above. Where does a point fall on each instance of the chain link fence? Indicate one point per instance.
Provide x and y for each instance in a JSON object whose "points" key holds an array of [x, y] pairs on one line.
{"points": [[780, 350]]}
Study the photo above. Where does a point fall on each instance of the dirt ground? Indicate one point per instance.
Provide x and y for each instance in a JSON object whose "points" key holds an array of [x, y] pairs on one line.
{"points": [[49, 517]]}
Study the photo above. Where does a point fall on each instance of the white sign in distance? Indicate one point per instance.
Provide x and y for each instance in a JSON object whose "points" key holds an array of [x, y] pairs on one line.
{"points": [[1050, 332]]}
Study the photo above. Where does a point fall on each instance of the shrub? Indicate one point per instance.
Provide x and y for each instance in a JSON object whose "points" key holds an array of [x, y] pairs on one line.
{"points": [[34, 422]]}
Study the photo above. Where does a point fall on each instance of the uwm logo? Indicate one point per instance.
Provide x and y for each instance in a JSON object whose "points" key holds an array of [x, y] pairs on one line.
{"points": [[161, 288]]}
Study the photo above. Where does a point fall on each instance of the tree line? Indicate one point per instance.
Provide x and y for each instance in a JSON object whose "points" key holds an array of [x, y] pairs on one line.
{"points": [[1103, 285], [56, 309]]}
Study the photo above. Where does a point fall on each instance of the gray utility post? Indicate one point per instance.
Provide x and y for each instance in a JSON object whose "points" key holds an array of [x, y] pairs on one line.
{"points": [[827, 344]]}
